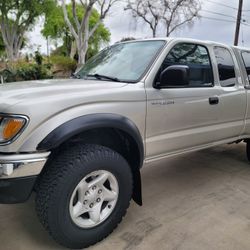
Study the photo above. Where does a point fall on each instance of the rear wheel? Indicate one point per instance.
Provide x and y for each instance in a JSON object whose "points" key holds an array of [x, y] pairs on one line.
{"points": [[83, 195]]}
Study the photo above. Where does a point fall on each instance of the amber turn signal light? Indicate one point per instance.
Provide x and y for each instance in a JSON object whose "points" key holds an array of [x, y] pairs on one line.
{"points": [[10, 127]]}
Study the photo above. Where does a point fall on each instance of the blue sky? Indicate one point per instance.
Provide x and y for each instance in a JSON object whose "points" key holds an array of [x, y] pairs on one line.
{"points": [[121, 24]]}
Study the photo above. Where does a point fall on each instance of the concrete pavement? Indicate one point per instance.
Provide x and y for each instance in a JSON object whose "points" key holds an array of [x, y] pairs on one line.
{"points": [[197, 201]]}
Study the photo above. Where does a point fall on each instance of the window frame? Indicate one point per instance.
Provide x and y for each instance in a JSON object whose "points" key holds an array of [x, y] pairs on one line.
{"points": [[155, 85], [217, 68], [244, 63]]}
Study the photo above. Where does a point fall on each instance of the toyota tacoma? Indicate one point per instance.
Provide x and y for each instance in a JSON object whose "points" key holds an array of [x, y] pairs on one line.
{"points": [[79, 143]]}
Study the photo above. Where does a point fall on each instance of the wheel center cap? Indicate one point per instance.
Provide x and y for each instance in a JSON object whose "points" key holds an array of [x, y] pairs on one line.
{"points": [[92, 196]]}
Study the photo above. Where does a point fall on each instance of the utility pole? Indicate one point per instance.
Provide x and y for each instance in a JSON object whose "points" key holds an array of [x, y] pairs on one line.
{"points": [[238, 22]]}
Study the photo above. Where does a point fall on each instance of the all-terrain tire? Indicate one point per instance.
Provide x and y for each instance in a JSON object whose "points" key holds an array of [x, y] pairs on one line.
{"points": [[58, 182]]}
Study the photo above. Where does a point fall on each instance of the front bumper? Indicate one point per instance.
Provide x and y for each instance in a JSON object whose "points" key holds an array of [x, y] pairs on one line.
{"points": [[21, 165], [18, 173]]}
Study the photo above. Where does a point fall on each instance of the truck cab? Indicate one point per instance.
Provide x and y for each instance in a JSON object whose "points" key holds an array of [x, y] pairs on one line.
{"points": [[209, 109]]}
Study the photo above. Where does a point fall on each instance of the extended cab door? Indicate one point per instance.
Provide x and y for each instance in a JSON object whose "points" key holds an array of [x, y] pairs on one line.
{"points": [[232, 95], [180, 118], [244, 58]]}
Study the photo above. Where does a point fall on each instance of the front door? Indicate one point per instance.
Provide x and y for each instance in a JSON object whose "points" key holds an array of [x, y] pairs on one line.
{"points": [[183, 117]]}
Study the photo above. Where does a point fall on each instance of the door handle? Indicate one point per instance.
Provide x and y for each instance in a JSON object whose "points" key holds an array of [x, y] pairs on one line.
{"points": [[213, 100]]}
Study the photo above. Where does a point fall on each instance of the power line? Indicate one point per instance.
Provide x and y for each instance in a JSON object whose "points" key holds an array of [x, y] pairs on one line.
{"points": [[218, 13], [218, 19], [224, 15], [221, 4], [225, 5], [224, 20]]}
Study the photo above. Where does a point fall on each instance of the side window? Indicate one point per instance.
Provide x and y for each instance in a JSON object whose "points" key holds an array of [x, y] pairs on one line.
{"points": [[246, 59], [225, 66], [196, 57]]}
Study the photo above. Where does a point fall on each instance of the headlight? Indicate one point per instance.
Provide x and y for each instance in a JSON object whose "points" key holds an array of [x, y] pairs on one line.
{"points": [[10, 127]]}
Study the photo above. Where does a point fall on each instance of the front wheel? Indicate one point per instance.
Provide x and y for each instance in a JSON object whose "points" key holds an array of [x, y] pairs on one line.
{"points": [[83, 195]]}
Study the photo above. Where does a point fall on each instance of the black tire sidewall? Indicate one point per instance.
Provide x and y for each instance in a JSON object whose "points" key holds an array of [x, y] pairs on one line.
{"points": [[59, 216]]}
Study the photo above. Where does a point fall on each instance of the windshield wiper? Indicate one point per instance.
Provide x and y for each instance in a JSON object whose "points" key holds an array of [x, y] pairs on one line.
{"points": [[75, 76], [99, 77]]}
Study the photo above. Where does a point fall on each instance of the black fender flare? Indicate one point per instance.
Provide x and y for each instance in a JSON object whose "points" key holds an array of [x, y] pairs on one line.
{"points": [[83, 123], [100, 120]]}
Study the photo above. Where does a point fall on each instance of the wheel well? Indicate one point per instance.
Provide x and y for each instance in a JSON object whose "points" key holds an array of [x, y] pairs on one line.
{"points": [[117, 140]]}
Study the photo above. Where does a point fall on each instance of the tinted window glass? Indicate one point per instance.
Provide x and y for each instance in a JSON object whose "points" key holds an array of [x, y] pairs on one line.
{"points": [[197, 58], [246, 58], [225, 67]]}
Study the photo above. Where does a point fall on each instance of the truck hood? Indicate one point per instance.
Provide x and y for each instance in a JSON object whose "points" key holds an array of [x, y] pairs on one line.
{"points": [[42, 90]]}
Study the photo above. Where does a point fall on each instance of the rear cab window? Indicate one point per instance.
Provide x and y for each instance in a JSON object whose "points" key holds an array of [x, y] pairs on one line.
{"points": [[226, 67], [246, 60]]}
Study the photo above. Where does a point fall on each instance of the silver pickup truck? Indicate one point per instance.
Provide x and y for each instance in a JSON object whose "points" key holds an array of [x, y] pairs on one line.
{"points": [[80, 143]]}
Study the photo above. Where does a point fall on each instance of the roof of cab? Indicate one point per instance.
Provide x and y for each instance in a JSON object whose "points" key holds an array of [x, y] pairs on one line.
{"points": [[241, 48], [183, 39], [169, 39]]}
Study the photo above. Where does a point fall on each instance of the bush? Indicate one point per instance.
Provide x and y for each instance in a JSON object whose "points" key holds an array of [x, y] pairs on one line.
{"points": [[63, 63], [33, 72], [39, 68], [23, 71]]}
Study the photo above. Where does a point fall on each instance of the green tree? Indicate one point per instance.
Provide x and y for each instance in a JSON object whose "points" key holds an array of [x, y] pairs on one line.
{"points": [[2, 47], [17, 17], [55, 28], [81, 30]]}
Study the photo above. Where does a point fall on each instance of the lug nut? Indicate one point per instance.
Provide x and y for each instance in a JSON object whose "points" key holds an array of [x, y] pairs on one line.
{"points": [[94, 187], [98, 200], [99, 191], [87, 193], [91, 205], [85, 202]]}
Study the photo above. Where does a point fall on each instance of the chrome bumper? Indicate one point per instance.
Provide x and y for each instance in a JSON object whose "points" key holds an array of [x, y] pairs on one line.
{"points": [[22, 165]]}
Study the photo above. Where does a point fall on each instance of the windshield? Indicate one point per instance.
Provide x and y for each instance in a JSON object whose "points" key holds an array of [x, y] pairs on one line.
{"points": [[121, 62]]}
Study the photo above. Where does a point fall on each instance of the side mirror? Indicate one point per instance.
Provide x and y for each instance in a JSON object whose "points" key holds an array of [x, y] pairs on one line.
{"points": [[174, 76]]}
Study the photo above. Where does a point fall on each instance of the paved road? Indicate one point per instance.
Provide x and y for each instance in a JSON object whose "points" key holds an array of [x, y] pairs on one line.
{"points": [[197, 201]]}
